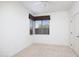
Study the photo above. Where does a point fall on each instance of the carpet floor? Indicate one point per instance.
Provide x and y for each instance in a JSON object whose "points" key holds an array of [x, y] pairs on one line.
{"points": [[44, 50]]}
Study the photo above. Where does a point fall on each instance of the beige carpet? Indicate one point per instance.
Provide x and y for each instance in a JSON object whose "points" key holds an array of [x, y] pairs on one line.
{"points": [[43, 50]]}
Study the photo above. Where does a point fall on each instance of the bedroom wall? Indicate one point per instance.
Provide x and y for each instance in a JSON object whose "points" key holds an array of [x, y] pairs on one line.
{"points": [[59, 29], [14, 28]]}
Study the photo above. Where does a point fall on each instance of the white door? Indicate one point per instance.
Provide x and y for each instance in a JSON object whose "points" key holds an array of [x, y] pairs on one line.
{"points": [[75, 33]]}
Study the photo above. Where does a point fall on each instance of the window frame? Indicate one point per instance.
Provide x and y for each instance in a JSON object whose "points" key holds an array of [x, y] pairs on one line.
{"points": [[35, 18]]}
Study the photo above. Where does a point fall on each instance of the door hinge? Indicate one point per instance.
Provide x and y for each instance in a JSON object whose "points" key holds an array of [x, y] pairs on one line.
{"points": [[71, 32], [70, 21], [70, 44]]}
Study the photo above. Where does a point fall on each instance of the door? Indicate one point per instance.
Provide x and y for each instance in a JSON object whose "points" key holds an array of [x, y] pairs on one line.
{"points": [[75, 33]]}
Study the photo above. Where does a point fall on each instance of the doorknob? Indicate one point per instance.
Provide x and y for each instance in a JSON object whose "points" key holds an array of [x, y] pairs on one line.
{"points": [[77, 36]]}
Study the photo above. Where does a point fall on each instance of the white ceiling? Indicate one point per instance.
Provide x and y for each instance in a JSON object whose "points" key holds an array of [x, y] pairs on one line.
{"points": [[38, 7]]}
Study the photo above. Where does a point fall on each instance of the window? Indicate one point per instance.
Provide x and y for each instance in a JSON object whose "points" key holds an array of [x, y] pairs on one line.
{"points": [[39, 25], [42, 27]]}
